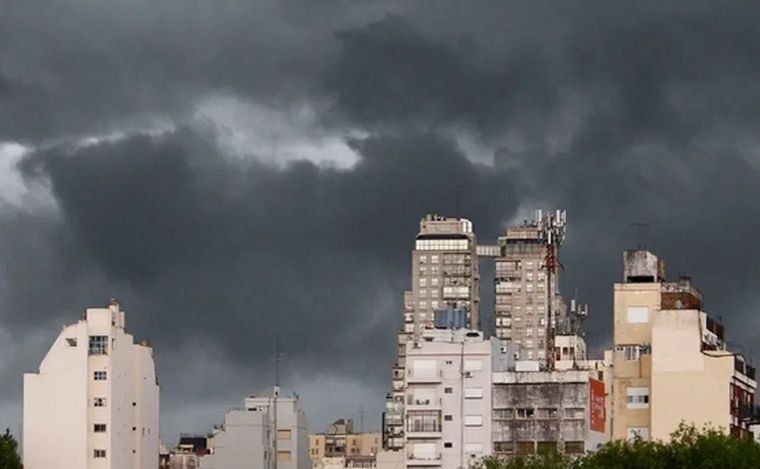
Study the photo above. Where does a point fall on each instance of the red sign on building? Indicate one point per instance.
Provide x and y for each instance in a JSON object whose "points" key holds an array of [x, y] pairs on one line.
{"points": [[596, 405]]}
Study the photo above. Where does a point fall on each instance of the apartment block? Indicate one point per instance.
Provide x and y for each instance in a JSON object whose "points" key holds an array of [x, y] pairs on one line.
{"points": [[445, 276], [445, 272], [536, 410], [340, 444], [524, 291], [670, 362], [94, 401], [448, 398], [254, 435]]}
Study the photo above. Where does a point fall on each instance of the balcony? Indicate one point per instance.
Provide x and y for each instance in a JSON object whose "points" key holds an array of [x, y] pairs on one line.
{"points": [[423, 431], [423, 460], [434, 376], [413, 403]]}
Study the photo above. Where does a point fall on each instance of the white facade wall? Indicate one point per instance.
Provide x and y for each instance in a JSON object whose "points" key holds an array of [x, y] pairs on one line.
{"points": [[448, 399], [59, 401], [246, 439]]}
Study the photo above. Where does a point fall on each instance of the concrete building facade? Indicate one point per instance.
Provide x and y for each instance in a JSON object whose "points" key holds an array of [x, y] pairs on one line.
{"points": [[670, 362], [94, 403], [522, 291], [247, 437], [445, 276], [537, 411], [448, 398]]}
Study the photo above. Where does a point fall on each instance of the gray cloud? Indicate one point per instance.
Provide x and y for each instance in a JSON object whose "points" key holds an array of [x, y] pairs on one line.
{"points": [[641, 112]]}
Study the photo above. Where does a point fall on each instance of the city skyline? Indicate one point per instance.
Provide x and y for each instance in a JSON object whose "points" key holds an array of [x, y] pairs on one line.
{"points": [[226, 172]]}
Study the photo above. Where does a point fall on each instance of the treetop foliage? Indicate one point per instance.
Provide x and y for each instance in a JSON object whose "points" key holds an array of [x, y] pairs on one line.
{"points": [[689, 448]]}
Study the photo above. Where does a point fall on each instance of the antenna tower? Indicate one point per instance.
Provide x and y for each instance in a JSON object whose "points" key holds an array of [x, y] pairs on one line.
{"points": [[551, 228]]}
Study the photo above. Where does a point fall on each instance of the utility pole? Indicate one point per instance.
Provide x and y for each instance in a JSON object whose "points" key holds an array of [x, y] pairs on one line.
{"points": [[275, 395], [361, 418]]}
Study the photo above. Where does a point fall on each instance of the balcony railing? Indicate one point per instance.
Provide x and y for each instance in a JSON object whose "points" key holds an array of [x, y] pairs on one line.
{"points": [[423, 402]]}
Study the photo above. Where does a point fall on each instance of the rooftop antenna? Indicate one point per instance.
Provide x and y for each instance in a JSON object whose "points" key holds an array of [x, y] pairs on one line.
{"points": [[361, 418], [457, 197], [639, 227], [551, 227]]}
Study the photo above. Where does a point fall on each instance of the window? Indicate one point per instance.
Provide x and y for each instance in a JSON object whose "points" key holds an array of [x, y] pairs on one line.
{"points": [[99, 428], [525, 413], [632, 352], [447, 444], [283, 456], [434, 259], [637, 397], [423, 282], [546, 413], [574, 447], [98, 344], [574, 413], [71, 341], [434, 303], [284, 434], [99, 453], [447, 390], [99, 402], [423, 293], [473, 420], [638, 314], [447, 418], [100, 375], [473, 393]]}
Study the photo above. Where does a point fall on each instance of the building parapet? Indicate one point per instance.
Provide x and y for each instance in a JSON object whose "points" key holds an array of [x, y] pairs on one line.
{"points": [[528, 377]]}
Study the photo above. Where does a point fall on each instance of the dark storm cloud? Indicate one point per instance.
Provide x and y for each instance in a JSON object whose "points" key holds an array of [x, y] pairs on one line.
{"points": [[619, 113], [207, 250]]}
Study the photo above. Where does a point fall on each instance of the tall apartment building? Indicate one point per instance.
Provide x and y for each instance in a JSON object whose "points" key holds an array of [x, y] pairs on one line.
{"points": [[524, 290], [247, 438], [670, 362], [445, 272], [94, 402], [445, 276], [448, 398]]}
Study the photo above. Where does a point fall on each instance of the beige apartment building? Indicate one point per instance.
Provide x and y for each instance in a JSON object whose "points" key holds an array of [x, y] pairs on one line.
{"points": [[670, 362], [340, 445]]}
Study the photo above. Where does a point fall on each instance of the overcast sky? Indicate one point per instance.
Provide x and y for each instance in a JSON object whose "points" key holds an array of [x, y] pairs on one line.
{"points": [[234, 170]]}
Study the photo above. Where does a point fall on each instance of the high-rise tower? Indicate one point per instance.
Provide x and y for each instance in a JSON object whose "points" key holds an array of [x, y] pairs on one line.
{"points": [[526, 286], [445, 277]]}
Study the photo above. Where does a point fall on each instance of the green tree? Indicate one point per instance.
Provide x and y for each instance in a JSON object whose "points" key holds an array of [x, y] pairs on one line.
{"points": [[9, 458], [687, 449]]}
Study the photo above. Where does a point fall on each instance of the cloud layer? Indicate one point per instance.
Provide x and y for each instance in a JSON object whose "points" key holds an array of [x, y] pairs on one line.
{"points": [[242, 170]]}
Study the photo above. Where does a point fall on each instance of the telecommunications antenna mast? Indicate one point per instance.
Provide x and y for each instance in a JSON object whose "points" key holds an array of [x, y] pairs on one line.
{"points": [[551, 229]]}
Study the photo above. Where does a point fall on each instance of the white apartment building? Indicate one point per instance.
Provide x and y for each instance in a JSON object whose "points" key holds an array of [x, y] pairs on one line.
{"points": [[247, 438], [94, 402], [448, 398]]}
